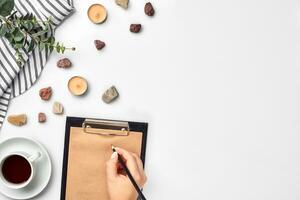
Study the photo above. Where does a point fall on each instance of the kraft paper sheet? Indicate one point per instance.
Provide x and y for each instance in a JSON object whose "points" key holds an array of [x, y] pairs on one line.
{"points": [[88, 153]]}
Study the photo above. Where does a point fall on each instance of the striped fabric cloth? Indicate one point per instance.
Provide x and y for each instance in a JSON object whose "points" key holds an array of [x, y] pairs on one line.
{"points": [[15, 79]]}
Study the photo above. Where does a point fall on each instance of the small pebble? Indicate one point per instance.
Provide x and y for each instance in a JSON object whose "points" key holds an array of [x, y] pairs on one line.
{"points": [[45, 93], [135, 28], [122, 3], [149, 10], [17, 120], [42, 117], [57, 108], [64, 63], [99, 44], [110, 94]]}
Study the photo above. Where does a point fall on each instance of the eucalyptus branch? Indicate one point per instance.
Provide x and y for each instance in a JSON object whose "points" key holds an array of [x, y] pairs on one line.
{"points": [[25, 33]]}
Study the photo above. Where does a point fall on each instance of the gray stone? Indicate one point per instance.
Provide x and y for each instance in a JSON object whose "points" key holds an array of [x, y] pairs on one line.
{"points": [[110, 94], [122, 3]]}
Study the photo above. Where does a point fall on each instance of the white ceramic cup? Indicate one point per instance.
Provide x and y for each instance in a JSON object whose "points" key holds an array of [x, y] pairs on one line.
{"points": [[30, 159]]}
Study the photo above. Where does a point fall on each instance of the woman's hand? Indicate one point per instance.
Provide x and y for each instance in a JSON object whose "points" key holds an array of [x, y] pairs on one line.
{"points": [[119, 185]]}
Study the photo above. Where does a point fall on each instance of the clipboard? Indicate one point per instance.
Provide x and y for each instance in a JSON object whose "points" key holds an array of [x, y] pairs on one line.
{"points": [[87, 147]]}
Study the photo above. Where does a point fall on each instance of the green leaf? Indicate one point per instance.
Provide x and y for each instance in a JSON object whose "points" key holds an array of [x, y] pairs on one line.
{"points": [[41, 46], [31, 46], [12, 16], [63, 50], [3, 30], [19, 57], [40, 33], [51, 48], [52, 40], [28, 25], [18, 45], [27, 16], [25, 30], [46, 47], [6, 6], [57, 49], [25, 25], [18, 35], [9, 37]]}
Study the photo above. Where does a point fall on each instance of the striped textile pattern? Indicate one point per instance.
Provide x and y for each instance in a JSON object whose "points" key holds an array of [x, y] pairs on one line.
{"points": [[15, 79]]}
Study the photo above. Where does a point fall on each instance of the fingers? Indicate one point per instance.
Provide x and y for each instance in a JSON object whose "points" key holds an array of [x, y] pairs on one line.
{"points": [[111, 166], [134, 164], [130, 161], [141, 168], [139, 163]]}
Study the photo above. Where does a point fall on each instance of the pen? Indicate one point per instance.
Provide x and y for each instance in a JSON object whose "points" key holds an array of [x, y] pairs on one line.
{"points": [[137, 188]]}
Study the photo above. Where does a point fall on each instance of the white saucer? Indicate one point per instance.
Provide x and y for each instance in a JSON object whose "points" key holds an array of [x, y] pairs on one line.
{"points": [[43, 167]]}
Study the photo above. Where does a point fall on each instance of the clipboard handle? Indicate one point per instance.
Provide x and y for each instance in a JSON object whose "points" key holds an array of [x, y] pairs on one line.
{"points": [[106, 127]]}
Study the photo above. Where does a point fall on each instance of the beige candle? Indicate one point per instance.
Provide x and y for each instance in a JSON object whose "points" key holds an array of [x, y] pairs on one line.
{"points": [[77, 85], [97, 13]]}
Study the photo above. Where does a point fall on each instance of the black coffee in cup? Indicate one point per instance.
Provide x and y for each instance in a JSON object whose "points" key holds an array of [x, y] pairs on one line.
{"points": [[16, 169]]}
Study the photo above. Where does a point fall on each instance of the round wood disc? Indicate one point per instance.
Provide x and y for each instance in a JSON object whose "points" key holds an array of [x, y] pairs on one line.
{"points": [[77, 85], [97, 13]]}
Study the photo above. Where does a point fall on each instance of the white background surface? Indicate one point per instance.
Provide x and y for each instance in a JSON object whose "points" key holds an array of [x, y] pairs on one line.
{"points": [[217, 80]]}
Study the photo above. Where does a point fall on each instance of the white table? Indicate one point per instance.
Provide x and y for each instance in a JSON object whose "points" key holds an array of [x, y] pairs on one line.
{"points": [[218, 81]]}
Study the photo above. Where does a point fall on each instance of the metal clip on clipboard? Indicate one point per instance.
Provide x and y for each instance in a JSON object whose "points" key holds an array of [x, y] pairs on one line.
{"points": [[106, 127]]}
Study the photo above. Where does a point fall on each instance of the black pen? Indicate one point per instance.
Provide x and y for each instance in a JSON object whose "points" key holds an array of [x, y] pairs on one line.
{"points": [[137, 188]]}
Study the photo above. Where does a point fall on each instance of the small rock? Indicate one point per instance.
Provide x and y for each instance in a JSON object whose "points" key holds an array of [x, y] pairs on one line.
{"points": [[42, 117], [135, 28], [122, 3], [64, 63], [110, 94], [149, 10], [99, 44], [57, 108], [17, 120], [46, 93]]}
